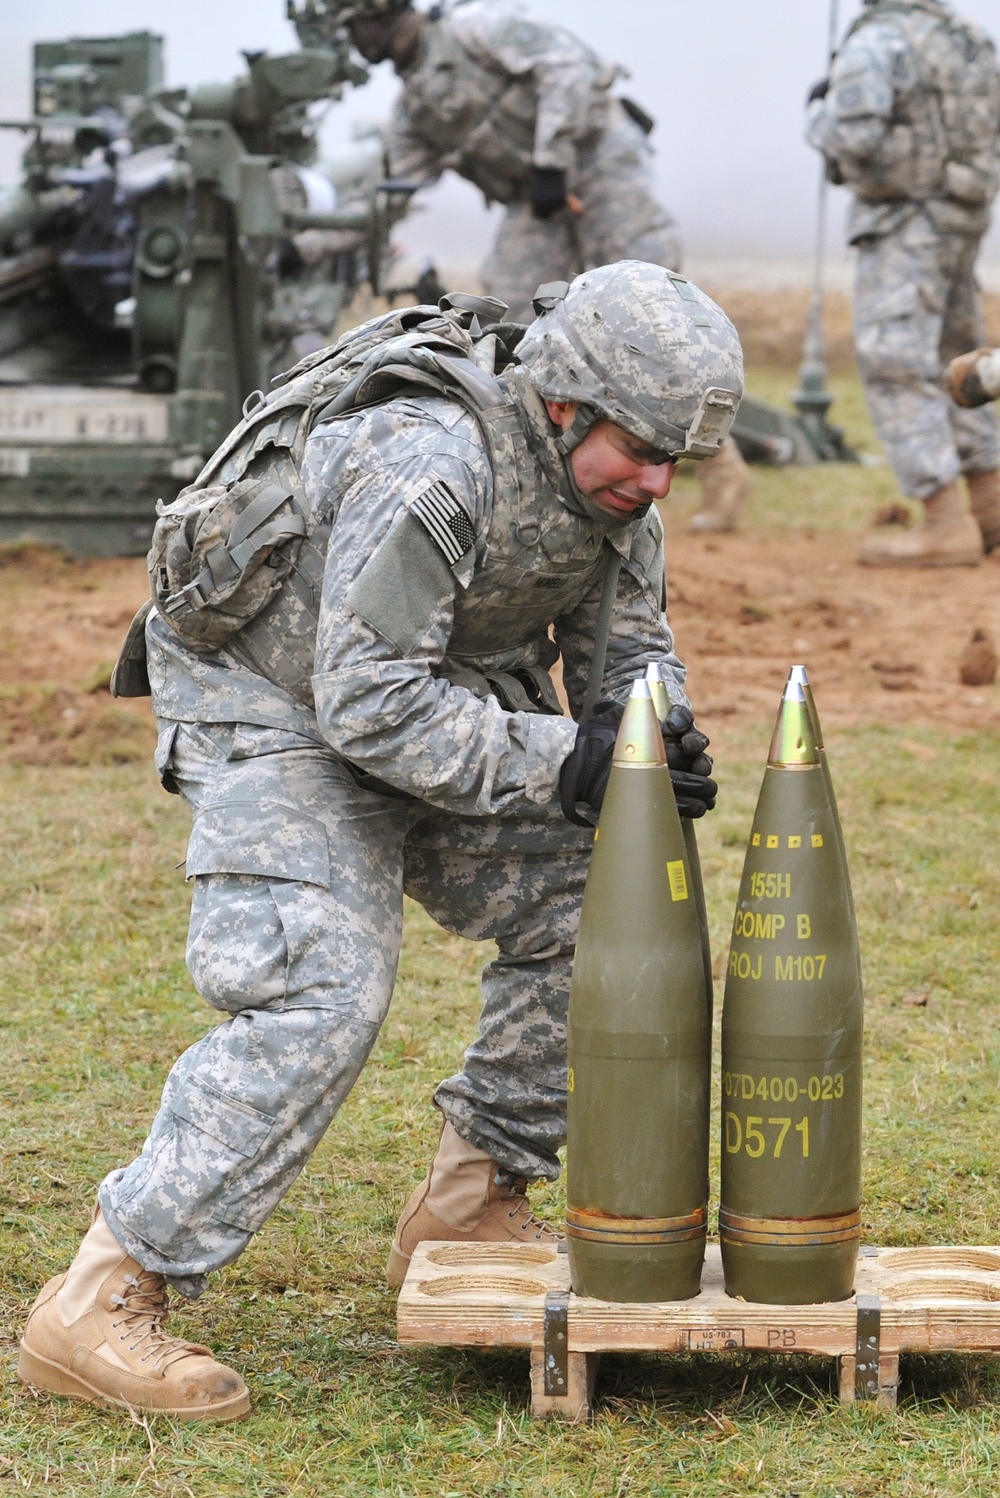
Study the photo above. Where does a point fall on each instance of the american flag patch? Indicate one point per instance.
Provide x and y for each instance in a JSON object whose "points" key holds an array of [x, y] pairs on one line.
{"points": [[441, 515]]}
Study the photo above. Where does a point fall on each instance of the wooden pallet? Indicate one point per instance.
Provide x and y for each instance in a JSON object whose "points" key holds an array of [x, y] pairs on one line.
{"points": [[517, 1295]]}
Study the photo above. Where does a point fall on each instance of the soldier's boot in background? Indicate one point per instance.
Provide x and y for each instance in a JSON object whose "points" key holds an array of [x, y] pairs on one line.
{"points": [[947, 537], [95, 1333], [467, 1198], [984, 496], [725, 484]]}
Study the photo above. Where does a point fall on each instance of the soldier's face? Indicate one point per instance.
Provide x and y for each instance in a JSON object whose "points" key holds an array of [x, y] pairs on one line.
{"points": [[614, 470], [372, 35]]}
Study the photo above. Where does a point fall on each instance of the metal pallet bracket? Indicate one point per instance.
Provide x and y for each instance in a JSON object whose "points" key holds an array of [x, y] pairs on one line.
{"points": [[555, 1343], [867, 1348]]}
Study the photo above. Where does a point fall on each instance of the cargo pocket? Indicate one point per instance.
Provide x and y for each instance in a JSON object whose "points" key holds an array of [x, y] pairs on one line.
{"points": [[163, 754], [274, 842], [237, 1125]]}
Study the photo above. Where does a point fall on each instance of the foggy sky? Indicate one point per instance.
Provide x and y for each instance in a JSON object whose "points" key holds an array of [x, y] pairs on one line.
{"points": [[726, 80]]}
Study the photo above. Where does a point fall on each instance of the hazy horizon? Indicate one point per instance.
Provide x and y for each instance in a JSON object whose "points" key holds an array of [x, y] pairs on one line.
{"points": [[726, 83]]}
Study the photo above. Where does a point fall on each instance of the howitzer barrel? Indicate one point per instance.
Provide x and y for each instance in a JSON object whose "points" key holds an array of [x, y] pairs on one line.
{"points": [[789, 1215], [23, 211], [639, 1042], [351, 220]]}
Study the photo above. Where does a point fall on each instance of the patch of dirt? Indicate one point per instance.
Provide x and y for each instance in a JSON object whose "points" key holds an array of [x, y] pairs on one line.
{"points": [[881, 645], [62, 623], [771, 324]]}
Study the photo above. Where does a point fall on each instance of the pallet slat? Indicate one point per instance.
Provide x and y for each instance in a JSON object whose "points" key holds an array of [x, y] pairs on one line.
{"points": [[483, 1295]]}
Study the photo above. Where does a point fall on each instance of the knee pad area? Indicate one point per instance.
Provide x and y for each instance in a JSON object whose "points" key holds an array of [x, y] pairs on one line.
{"points": [[237, 952]]}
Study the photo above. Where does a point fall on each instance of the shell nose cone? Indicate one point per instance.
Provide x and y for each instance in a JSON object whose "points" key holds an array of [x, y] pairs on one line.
{"points": [[798, 675], [794, 743], [658, 692], [639, 742]]}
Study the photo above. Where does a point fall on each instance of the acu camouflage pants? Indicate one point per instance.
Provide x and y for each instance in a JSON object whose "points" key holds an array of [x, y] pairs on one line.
{"points": [[296, 920], [917, 305]]}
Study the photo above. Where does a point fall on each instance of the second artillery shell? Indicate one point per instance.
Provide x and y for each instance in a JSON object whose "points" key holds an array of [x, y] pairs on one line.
{"points": [[790, 1207], [639, 1043]]}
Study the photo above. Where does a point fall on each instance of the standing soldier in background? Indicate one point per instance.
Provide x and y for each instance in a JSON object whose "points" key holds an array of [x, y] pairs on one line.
{"points": [[910, 120], [523, 110]]}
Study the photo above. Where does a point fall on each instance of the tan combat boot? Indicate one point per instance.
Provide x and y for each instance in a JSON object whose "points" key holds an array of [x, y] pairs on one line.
{"points": [[725, 484], [94, 1333], [459, 1199], [984, 496], [948, 537]]}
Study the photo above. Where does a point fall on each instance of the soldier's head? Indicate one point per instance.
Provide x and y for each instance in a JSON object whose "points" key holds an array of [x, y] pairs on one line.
{"points": [[380, 29], [638, 368]]}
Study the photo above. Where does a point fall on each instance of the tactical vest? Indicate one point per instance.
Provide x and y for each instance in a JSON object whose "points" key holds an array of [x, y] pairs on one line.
{"points": [[944, 132], [538, 562], [478, 119]]}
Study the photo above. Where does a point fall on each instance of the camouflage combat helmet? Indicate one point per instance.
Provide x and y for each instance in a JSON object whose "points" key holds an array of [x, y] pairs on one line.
{"points": [[332, 14], [643, 347]]}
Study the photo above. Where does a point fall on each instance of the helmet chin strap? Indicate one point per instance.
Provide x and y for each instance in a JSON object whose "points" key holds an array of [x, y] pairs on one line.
{"points": [[567, 442]]}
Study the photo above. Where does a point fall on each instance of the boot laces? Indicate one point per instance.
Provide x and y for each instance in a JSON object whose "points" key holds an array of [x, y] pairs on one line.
{"points": [[513, 1188], [145, 1306], [529, 1223]]}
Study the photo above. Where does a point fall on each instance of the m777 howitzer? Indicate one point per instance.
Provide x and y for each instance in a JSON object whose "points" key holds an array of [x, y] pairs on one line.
{"points": [[166, 253]]}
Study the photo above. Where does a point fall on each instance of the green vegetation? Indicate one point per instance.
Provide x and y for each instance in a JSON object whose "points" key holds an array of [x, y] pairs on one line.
{"points": [[96, 1000], [829, 496]]}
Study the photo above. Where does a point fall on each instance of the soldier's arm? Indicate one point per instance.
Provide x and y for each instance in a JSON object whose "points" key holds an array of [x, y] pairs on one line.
{"points": [[853, 120], [639, 633], [564, 72], [407, 537], [410, 158]]}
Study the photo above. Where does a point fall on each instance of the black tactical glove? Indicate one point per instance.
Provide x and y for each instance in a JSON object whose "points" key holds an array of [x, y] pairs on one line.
{"points": [[690, 767], [583, 779], [548, 190], [818, 91]]}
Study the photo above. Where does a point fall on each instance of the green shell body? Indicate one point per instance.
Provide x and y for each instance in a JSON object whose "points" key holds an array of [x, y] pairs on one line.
{"points": [[639, 1055], [791, 1048]]}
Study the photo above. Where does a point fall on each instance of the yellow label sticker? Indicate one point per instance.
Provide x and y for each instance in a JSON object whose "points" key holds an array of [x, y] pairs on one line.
{"points": [[795, 841], [772, 839], [817, 839], [755, 840], [597, 833], [570, 1081], [678, 879]]}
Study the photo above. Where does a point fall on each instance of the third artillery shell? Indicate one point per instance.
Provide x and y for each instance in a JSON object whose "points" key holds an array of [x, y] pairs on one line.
{"points": [[790, 1208], [639, 1042]]}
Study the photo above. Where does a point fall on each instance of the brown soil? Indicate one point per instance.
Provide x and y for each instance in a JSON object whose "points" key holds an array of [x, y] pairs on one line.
{"points": [[771, 324], [61, 625], [882, 647]]}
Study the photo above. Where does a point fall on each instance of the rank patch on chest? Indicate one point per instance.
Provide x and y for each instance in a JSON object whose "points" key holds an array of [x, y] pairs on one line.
{"points": [[444, 519]]}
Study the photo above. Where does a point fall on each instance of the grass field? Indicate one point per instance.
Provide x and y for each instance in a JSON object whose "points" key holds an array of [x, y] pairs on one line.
{"points": [[96, 1002]]}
